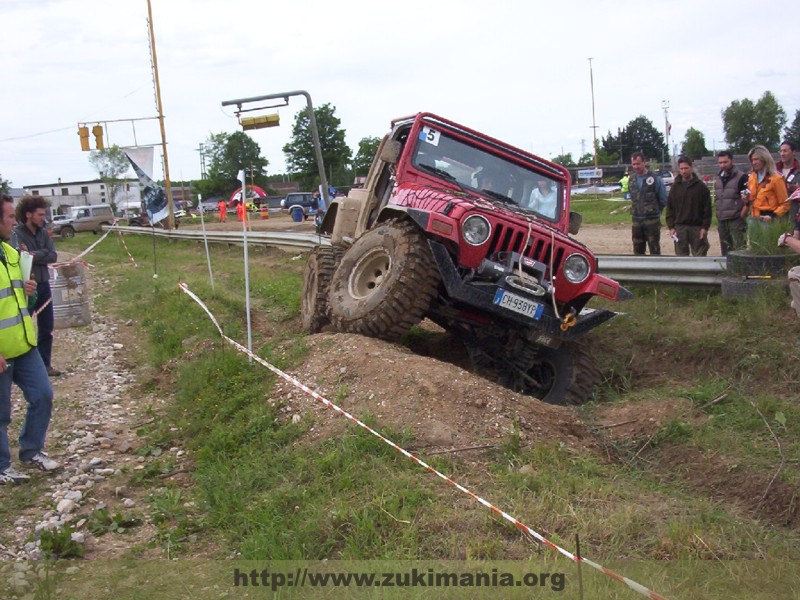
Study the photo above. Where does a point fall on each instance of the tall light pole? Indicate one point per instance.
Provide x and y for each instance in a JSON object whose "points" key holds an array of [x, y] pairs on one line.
{"points": [[594, 125], [665, 106], [167, 184]]}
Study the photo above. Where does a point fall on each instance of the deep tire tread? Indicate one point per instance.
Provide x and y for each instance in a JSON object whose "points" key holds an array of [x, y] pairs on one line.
{"points": [[406, 295]]}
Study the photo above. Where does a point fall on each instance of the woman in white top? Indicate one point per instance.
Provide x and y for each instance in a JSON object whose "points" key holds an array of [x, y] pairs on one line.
{"points": [[544, 198]]}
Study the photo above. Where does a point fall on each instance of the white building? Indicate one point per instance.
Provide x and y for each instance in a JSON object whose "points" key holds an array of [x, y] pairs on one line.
{"points": [[82, 193]]}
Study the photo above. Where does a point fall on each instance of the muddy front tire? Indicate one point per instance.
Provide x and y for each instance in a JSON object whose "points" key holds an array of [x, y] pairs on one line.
{"points": [[317, 275], [385, 282]]}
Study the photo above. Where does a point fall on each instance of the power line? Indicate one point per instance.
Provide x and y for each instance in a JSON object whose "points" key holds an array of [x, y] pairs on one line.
{"points": [[32, 135]]}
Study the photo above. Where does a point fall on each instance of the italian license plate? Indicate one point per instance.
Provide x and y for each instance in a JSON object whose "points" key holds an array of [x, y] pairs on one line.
{"points": [[518, 304]]}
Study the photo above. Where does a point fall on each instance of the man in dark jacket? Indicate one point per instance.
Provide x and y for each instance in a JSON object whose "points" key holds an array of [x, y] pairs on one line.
{"points": [[648, 197], [728, 188], [689, 212], [31, 236]]}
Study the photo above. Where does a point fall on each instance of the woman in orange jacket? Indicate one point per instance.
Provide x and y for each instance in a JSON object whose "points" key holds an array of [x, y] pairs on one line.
{"points": [[766, 190]]}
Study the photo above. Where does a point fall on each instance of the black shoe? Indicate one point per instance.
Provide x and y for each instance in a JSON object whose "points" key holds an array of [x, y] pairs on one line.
{"points": [[51, 372]]}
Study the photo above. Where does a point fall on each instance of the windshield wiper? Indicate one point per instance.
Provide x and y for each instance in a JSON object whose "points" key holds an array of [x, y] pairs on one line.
{"points": [[437, 171], [498, 196], [441, 173]]}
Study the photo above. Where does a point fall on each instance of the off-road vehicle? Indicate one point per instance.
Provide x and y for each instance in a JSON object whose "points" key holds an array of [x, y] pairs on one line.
{"points": [[471, 233], [84, 218]]}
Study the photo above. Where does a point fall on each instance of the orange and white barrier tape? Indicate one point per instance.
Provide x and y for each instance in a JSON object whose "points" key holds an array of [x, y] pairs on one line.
{"points": [[41, 308], [124, 245], [524, 528]]}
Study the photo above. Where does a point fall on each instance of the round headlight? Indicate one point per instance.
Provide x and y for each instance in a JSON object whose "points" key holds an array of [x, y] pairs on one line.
{"points": [[476, 230], [576, 268]]}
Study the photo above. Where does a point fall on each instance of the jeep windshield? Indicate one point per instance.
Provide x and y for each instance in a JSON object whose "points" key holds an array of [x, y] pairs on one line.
{"points": [[494, 177]]}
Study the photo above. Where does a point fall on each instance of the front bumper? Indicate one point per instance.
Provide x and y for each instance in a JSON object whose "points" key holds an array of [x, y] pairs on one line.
{"points": [[482, 299]]}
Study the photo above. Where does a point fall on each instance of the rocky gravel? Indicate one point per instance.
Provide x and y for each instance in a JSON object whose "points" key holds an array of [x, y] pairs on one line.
{"points": [[97, 411]]}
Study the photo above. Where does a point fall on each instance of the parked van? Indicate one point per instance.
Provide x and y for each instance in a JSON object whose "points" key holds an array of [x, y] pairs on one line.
{"points": [[84, 218]]}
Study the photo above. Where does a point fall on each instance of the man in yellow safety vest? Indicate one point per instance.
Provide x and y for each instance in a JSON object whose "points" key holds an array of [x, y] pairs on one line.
{"points": [[20, 361]]}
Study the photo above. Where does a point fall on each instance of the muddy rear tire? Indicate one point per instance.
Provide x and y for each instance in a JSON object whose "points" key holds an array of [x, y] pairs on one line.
{"points": [[385, 282], [321, 264], [565, 375]]}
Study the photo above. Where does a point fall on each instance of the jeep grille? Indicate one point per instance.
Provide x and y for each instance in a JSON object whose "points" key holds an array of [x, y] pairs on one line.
{"points": [[506, 238]]}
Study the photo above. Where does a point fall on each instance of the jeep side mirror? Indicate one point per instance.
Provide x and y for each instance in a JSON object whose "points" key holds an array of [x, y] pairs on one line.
{"points": [[390, 151], [575, 220]]}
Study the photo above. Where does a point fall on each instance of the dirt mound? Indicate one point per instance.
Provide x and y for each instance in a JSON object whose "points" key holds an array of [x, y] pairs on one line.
{"points": [[441, 404]]}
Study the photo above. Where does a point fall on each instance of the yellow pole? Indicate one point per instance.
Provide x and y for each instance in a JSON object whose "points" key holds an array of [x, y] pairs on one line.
{"points": [[167, 188]]}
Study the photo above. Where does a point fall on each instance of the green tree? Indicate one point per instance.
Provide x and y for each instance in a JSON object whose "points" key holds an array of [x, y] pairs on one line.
{"points": [[638, 135], [770, 122], [694, 144], [367, 148], [747, 123], [300, 156], [603, 158], [792, 132], [226, 155], [4, 185], [111, 164], [565, 160]]}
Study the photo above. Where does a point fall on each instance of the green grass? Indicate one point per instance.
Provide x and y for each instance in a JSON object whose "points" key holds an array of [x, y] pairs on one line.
{"points": [[261, 489], [603, 211]]}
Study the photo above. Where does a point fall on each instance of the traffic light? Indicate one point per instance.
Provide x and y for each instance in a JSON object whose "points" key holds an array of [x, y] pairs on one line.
{"points": [[83, 132], [97, 131], [260, 122]]}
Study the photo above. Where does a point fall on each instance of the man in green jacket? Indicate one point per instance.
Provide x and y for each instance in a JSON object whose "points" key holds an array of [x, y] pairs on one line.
{"points": [[20, 362]]}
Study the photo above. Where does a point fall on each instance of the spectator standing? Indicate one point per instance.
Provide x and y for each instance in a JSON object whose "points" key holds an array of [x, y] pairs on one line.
{"points": [[790, 169], [792, 240], [689, 211], [766, 190], [648, 199], [20, 362], [31, 236], [623, 184], [731, 209], [222, 207]]}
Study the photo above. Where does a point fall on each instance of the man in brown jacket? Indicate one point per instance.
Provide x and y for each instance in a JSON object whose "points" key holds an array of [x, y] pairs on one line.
{"points": [[689, 212]]}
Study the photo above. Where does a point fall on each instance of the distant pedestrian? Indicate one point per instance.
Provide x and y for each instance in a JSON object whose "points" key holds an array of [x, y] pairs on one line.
{"points": [[222, 207], [20, 362], [648, 199], [731, 209], [623, 184], [240, 210], [31, 236], [790, 169], [689, 211], [766, 190]]}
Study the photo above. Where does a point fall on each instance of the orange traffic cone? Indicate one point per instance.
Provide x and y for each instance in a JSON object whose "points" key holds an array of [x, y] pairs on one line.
{"points": [[264, 212]]}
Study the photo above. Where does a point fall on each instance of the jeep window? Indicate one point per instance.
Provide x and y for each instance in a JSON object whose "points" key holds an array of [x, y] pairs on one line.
{"points": [[490, 175]]}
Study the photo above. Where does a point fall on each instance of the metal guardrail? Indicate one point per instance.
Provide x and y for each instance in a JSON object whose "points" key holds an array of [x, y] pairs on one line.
{"points": [[678, 270], [701, 271], [304, 241]]}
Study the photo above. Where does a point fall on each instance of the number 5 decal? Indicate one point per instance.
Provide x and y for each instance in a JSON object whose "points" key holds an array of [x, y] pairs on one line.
{"points": [[429, 135]]}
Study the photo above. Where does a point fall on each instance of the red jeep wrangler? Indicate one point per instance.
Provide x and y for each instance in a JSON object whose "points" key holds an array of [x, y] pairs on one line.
{"points": [[471, 233]]}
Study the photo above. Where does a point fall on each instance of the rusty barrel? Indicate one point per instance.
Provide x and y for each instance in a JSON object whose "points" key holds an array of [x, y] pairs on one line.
{"points": [[71, 306]]}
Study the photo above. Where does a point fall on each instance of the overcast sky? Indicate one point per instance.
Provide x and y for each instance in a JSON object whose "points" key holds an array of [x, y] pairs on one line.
{"points": [[514, 69]]}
